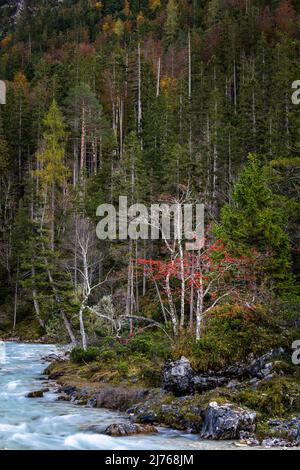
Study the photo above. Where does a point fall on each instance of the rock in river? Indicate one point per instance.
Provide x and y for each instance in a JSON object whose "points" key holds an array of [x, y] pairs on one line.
{"points": [[226, 421], [127, 429], [35, 394]]}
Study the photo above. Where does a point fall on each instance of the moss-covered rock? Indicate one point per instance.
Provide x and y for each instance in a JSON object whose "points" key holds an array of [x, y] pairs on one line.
{"points": [[277, 397]]}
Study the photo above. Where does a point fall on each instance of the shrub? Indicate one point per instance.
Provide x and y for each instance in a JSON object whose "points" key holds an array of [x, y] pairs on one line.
{"points": [[122, 367], [233, 332], [152, 344], [230, 334], [107, 355], [79, 355]]}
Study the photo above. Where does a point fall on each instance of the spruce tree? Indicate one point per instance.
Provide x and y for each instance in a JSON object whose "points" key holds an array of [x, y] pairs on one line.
{"points": [[256, 219], [52, 171]]}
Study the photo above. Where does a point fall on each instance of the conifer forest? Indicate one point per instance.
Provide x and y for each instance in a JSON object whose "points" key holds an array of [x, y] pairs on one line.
{"points": [[166, 104]]}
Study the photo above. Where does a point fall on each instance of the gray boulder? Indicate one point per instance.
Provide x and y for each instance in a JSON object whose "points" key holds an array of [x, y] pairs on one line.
{"points": [[177, 376], [127, 429], [227, 421], [201, 382], [180, 379], [287, 427], [276, 442], [261, 366], [298, 436]]}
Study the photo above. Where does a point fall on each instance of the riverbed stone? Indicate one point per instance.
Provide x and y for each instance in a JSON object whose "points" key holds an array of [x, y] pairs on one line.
{"points": [[92, 402], [276, 442], [120, 398], [35, 394], [298, 436], [127, 429], [288, 427], [226, 421]]}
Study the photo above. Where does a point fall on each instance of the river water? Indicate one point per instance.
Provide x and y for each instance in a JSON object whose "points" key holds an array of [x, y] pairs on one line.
{"points": [[45, 423]]}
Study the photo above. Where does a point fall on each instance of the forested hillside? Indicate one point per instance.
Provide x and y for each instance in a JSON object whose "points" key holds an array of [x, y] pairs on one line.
{"points": [[156, 100]]}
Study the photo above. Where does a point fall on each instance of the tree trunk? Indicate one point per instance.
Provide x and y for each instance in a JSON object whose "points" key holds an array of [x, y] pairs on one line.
{"points": [[171, 307], [158, 78], [192, 298], [52, 215], [82, 150], [139, 111], [81, 324], [16, 297], [234, 87], [190, 65], [57, 298], [36, 303], [199, 312], [182, 283]]}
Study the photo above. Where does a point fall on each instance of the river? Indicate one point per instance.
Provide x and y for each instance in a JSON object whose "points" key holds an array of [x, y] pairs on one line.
{"points": [[45, 423]]}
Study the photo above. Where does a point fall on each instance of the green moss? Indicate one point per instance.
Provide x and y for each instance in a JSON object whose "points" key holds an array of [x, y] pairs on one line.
{"points": [[277, 397], [284, 367], [263, 430], [185, 412]]}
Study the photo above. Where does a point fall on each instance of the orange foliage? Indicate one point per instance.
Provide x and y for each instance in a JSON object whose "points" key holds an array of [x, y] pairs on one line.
{"points": [[126, 8], [49, 59], [128, 25], [105, 27], [168, 83], [140, 19], [153, 4], [266, 21], [20, 82], [212, 42], [5, 41], [286, 17], [85, 49]]}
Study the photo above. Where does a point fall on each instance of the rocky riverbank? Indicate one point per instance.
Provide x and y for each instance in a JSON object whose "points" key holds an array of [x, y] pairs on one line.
{"points": [[256, 402]]}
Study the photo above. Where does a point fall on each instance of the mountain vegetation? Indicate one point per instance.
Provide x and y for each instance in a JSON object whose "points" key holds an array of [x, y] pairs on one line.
{"points": [[178, 101]]}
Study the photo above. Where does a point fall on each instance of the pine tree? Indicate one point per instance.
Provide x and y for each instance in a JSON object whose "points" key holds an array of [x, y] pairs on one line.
{"points": [[52, 173], [172, 18], [4, 151], [257, 219]]}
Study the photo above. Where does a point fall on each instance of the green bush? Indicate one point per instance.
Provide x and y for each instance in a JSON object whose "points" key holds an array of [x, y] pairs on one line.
{"points": [[79, 355], [229, 334], [151, 344], [122, 367], [107, 355]]}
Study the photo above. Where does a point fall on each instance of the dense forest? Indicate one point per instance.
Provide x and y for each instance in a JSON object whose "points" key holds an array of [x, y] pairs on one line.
{"points": [[176, 103], [156, 100]]}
